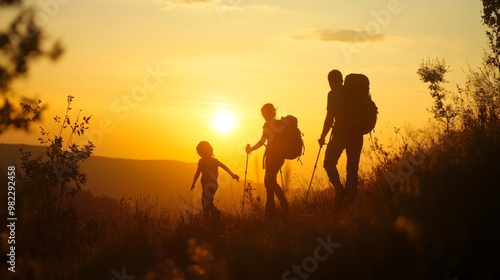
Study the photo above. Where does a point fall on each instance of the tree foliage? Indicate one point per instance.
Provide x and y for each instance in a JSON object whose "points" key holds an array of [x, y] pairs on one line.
{"points": [[433, 72], [475, 105], [483, 87], [21, 43], [491, 18]]}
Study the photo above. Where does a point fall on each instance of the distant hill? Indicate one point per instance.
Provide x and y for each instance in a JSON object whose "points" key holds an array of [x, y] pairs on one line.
{"points": [[119, 178]]}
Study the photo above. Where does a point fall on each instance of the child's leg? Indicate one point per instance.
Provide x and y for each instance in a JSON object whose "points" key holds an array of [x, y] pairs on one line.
{"points": [[216, 214], [206, 207], [209, 209]]}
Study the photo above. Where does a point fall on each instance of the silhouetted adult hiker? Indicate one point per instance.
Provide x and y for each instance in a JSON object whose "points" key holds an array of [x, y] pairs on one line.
{"points": [[208, 167], [273, 159], [343, 118]]}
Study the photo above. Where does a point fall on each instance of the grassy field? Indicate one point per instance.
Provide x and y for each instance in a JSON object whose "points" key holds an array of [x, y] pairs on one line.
{"points": [[427, 210]]}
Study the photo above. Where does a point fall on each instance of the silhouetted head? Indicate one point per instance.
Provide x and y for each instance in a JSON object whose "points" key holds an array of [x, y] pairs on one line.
{"points": [[334, 77], [357, 84], [204, 149], [268, 111]]}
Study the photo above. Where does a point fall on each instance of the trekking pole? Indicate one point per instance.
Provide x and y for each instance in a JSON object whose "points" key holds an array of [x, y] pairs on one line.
{"points": [[282, 182], [312, 177], [245, 184]]}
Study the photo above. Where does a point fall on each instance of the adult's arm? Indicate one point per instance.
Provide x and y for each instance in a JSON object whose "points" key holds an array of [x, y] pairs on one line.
{"points": [[327, 125], [258, 144]]}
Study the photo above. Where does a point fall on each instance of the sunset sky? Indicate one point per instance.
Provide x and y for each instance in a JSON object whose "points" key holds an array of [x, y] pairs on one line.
{"points": [[155, 73]]}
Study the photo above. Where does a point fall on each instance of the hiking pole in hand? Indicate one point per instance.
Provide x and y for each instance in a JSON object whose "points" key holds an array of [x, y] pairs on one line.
{"points": [[312, 177], [245, 182]]}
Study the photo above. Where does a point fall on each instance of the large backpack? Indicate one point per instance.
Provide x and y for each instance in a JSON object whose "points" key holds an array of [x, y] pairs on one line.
{"points": [[287, 139], [360, 110]]}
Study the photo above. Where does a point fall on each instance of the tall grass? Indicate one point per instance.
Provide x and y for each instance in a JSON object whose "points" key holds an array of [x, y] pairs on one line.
{"points": [[427, 208], [439, 221]]}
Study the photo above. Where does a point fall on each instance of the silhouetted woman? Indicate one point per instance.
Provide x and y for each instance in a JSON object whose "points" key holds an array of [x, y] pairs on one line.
{"points": [[208, 167], [273, 161]]}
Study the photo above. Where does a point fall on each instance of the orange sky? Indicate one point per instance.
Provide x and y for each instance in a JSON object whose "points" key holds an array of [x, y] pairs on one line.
{"points": [[155, 73]]}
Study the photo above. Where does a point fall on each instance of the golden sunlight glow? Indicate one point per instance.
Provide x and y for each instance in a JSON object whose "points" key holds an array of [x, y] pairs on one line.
{"points": [[223, 121]]}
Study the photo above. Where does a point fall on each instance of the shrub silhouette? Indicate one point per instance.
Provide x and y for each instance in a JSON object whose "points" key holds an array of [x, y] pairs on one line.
{"points": [[52, 179]]}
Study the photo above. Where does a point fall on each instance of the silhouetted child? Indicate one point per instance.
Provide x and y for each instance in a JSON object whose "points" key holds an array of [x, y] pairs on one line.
{"points": [[208, 167]]}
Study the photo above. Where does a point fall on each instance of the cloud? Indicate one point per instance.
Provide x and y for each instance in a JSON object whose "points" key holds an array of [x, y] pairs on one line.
{"points": [[189, 3], [263, 8], [341, 35], [223, 5], [220, 6]]}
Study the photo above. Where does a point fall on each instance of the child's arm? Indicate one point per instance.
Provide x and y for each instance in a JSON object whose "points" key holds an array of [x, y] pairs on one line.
{"points": [[236, 177], [196, 176]]}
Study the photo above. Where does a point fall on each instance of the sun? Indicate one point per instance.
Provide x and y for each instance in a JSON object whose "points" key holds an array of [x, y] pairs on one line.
{"points": [[223, 121]]}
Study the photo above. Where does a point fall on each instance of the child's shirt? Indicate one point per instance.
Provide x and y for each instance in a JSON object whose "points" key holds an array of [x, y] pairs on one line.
{"points": [[209, 169]]}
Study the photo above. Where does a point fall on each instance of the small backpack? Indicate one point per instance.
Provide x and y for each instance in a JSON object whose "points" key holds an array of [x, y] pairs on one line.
{"points": [[287, 141], [361, 111]]}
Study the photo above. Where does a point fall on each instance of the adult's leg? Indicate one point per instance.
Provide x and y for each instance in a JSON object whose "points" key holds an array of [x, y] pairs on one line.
{"points": [[353, 151], [333, 152], [280, 194], [268, 183], [273, 166]]}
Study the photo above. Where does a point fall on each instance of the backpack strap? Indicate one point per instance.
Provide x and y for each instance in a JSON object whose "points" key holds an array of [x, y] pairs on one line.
{"points": [[303, 152], [299, 160]]}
